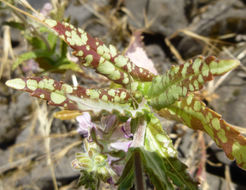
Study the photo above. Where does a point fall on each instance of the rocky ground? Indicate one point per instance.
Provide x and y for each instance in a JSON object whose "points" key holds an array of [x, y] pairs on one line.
{"points": [[173, 31]]}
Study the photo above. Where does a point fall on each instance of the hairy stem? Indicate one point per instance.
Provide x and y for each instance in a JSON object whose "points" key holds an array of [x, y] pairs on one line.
{"points": [[138, 141], [138, 138], [139, 178]]}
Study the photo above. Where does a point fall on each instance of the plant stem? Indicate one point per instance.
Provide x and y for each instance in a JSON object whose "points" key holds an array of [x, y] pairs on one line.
{"points": [[138, 141], [138, 138], [139, 178]]}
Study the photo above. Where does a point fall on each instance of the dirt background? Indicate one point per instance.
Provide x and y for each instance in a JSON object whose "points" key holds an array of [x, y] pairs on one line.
{"points": [[173, 31]]}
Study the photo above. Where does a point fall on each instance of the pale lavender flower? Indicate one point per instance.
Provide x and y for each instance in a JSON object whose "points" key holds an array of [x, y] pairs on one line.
{"points": [[46, 9], [85, 124], [31, 66], [118, 137], [107, 123], [121, 145], [118, 167], [121, 137], [111, 134], [122, 131]]}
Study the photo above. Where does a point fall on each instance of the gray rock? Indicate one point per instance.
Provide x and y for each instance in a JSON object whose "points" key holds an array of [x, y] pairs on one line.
{"points": [[231, 102], [215, 182], [13, 116], [156, 54], [40, 172], [220, 18], [168, 16], [38, 4]]}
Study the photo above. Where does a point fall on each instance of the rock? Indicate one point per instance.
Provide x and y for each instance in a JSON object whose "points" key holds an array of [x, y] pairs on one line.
{"points": [[168, 16], [12, 118], [220, 18], [78, 13], [218, 183], [156, 54], [40, 172], [231, 103], [29, 159], [38, 4]]}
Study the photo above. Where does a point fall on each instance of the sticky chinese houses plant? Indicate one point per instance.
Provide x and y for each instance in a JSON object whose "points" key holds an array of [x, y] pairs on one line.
{"points": [[130, 140]]}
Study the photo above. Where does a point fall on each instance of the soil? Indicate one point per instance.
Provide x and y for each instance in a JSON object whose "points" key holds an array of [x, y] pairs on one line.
{"points": [[174, 31]]}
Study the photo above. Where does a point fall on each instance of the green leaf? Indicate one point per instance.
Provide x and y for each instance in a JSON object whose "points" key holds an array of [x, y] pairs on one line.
{"points": [[158, 169], [189, 77], [88, 180], [197, 116], [13, 24], [29, 55], [158, 141], [36, 42], [23, 57], [52, 39], [45, 60], [63, 49], [69, 65], [127, 178], [98, 106], [155, 168]]}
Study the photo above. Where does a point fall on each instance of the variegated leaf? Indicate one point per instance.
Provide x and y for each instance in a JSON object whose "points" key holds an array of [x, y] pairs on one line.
{"points": [[189, 77], [92, 52], [77, 98], [47, 89], [33, 84], [156, 140], [197, 116], [98, 106]]}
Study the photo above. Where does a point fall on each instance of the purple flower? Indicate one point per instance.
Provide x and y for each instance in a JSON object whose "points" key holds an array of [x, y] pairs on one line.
{"points": [[118, 167], [126, 128], [31, 66], [85, 124], [46, 9], [121, 145], [111, 134], [116, 137], [121, 137], [108, 123]]}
